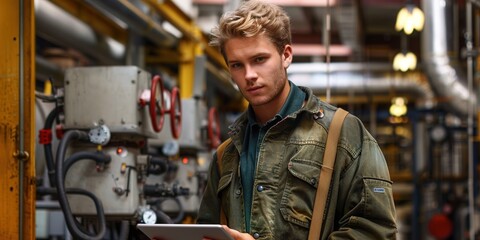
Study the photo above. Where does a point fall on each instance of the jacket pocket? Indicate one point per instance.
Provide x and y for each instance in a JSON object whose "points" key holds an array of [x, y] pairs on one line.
{"points": [[224, 182], [299, 194], [378, 200]]}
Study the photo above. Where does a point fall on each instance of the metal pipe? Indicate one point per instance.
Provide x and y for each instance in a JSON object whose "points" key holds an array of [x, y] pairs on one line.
{"points": [[471, 163], [21, 136], [444, 74], [45, 70], [138, 21], [56, 25], [349, 77]]}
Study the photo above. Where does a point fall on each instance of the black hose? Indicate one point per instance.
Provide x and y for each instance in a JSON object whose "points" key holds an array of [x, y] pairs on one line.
{"points": [[77, 191], [163, 218], [73, 225], [78, 156], [48, 147]]}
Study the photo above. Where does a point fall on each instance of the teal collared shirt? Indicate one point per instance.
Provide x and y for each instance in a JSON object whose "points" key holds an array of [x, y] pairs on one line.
{"points": [[254, 137]]}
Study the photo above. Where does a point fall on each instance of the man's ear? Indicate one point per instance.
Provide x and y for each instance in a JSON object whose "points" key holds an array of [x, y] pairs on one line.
{"points": [[287, 56]]}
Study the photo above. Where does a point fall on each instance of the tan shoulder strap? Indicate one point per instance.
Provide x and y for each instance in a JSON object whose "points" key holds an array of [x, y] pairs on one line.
{"points": [[326, 174], [220, 150]]}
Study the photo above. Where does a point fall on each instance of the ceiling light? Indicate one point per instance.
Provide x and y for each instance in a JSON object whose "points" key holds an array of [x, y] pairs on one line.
{"points": [[410, 18], [404, 62], [398, 107]]}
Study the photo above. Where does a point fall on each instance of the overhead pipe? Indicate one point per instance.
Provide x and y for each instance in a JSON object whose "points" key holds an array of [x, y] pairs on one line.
{"points": [[59, 27], [46, 70], [137, 21], [445, 74], [357, 78]]}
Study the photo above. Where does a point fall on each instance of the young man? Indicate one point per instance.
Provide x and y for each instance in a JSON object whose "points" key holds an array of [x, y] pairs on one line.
{"points": [[266, 185]]}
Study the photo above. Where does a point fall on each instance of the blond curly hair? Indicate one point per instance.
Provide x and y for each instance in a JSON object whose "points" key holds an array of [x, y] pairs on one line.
{"points": [[251, 19]]}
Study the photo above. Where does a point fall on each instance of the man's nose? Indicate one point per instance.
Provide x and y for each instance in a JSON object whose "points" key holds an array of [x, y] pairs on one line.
{"points": [[250, 73]]}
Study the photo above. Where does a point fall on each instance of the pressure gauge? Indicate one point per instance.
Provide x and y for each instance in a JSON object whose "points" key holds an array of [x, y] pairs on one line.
{"points": [[170, 148], [438, 133], [149, 216], [99, 135]]}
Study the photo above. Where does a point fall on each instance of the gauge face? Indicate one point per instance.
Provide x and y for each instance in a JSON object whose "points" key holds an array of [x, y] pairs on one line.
{"points": [[99, 135], [438, 133], [170, 148], [149, 216]]}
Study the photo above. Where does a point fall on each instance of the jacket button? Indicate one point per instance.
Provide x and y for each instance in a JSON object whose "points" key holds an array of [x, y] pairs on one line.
{"points": [[256, 235], [260, 188], [318, 115]]}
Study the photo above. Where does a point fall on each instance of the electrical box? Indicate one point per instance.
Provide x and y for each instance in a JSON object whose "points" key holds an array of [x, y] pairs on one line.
{"points": [[115, 185], [110, 96]]}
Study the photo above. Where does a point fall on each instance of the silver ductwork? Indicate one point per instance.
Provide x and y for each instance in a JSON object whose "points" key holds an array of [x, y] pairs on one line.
{"points": [[63, 29], [444, 73], [358, 79], [137, 20]]}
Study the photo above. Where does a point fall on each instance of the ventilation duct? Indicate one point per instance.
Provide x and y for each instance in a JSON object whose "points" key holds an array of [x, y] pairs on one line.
{"points": [[444, 73], [58, 26], [358, 79]]}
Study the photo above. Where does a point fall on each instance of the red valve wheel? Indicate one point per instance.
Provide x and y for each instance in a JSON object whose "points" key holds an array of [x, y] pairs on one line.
{"points": [[213, 128], [155, 106], [175, 113]]}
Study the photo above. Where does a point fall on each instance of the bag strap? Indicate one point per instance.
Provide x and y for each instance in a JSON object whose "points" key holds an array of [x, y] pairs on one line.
{"points": [[326, 174], [220, 150]]}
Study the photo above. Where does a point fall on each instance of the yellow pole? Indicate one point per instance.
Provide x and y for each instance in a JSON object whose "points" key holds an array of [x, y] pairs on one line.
{"points": [[17, 68], [189, 48]]}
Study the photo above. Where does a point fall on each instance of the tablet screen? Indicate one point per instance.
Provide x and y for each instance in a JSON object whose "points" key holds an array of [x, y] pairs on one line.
{"points": [[184, 231]]}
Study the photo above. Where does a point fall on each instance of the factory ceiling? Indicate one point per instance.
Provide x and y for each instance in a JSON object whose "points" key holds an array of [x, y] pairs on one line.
{"points": [[360, 30]]}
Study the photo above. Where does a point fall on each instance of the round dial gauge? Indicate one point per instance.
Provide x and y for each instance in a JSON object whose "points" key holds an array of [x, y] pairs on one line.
{"points": [[438, 133], [99, 135], [170, 148], [149, 216]]}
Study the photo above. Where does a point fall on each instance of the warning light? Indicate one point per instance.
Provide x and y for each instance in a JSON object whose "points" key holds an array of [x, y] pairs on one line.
{"points": [[185, 160], [122, 152]]}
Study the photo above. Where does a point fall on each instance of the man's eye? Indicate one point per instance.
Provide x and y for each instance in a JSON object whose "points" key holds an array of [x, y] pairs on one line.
{"points": [[235, 65], [259, 59]]}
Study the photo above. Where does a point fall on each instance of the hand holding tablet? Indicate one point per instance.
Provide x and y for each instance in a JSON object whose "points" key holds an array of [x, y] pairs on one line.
{"points": [[185, 231]]}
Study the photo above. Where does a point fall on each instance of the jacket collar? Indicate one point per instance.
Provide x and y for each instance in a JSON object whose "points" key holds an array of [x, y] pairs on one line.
{"points": [[312, 105]]}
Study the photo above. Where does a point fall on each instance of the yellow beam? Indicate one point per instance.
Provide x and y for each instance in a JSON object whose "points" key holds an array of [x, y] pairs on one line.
{"points": [[185, 24], [186, 74], [91, 16], [10, 194], [194, 43], [214, 54], [162, 56], [173, 14]]}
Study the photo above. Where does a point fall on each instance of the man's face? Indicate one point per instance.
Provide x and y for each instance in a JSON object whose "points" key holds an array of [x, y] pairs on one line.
{"points": [[259, 70]]}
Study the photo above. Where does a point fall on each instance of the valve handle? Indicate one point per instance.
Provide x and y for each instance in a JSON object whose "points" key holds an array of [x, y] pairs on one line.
{"points": [[213, 128], [175, 112], [156, 107]]}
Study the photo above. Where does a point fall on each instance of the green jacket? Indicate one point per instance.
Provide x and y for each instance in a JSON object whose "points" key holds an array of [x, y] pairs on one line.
{"points": [[360, 204]]}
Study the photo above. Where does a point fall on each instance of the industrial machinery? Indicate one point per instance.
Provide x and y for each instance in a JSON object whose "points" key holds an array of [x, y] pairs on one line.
{"points": [[116, 160]]}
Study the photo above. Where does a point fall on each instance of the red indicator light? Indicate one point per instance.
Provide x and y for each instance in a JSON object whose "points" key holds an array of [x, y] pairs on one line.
{"points": [[122, 151], [185, 160]]}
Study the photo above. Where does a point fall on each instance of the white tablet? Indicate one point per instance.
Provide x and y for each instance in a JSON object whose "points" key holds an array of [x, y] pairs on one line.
{"points": [[184, 231]]}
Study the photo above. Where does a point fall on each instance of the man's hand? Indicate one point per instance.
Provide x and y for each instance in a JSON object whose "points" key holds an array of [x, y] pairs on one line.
{"points": [[235, 234]]}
